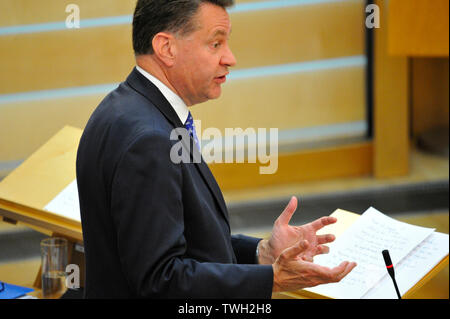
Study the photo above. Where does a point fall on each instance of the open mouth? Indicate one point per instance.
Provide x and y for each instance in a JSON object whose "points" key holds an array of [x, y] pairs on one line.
{"points": [[221, 79]]}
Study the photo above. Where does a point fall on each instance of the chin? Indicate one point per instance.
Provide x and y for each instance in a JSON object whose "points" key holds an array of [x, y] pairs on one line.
{"points": [[214, 97], [211, 95], [215, 94]]}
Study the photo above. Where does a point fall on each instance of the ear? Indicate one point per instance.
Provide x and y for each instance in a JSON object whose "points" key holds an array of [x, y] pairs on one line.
{"points": [[164, 47]]}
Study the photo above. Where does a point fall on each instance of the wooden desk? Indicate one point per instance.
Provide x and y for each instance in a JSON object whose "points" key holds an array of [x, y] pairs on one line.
{"points": [[30, 187], [345, 220]]}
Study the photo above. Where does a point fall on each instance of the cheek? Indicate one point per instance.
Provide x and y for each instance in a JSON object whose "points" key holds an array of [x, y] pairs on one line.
{"points": [[203, 77], [199, 71]]}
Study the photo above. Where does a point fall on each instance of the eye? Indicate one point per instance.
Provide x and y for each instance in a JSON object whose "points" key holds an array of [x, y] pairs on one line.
{"points": [[215, 45]]}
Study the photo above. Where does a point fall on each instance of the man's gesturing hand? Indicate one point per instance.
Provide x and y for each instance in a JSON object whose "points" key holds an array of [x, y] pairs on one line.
{"points": [[291, 272], [285, 235]]}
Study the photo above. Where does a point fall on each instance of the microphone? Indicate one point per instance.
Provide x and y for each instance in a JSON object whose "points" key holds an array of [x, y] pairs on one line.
{"points": [[390, 269]]}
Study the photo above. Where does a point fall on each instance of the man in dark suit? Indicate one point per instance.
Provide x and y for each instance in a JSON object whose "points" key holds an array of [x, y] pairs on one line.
{"points": [[158, 227]]}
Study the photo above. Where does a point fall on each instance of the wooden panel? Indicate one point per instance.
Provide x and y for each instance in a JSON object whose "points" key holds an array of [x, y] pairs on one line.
{"points": [[298, 34], [20, 273], [430, 98], [20, 12], [28, 189], [40, 219], [418, 27], [65, 58], [284, 101], [25, 126], [391, 108], [343, 161], [83, 57], [91, 56], [288, 101], [52, 166]]}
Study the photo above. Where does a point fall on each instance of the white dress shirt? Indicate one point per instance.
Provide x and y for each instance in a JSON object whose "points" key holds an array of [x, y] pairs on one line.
{"points": [[174, 100]]}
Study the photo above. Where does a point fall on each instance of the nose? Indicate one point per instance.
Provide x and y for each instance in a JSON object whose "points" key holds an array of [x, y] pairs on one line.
{"points": [[228, 58]]}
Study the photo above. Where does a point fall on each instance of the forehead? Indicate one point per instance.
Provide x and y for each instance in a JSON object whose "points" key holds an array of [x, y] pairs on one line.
{"points": [[213, 19]]}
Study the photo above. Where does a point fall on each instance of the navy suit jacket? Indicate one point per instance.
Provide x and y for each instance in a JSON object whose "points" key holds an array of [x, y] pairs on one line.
{"points": [[151, 227]]}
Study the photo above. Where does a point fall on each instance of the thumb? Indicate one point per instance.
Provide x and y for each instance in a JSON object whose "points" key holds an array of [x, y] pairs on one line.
{"points": [[287, 213], [295, 250]]}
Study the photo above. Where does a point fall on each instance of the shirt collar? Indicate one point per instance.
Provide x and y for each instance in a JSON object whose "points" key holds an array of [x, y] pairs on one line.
{"points": [[175, 101]]}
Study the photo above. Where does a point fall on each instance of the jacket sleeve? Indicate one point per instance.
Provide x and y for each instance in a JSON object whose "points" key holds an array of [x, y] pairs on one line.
{"points": [[245, 248], [147, 211]]}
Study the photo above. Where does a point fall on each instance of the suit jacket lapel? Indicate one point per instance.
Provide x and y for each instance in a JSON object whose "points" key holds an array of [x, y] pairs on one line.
{"points": [[142, 85], [211, 181], [146, 88]]}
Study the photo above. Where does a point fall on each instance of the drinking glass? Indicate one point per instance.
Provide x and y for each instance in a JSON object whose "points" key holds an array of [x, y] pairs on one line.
{"points": [[54, 262]]}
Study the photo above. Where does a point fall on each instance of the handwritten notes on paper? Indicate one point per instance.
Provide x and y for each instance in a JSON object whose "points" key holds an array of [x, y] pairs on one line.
{"points": [[363, 243], [413, 268], [66, 203]]}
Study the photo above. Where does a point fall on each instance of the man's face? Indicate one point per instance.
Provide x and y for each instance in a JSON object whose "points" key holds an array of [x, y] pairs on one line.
{"points": [[203, 56]]}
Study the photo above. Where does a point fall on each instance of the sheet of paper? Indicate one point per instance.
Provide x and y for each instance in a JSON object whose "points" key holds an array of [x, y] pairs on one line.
{"points": [[363, 243], [344, 220], [412, 268], [66, 203]]}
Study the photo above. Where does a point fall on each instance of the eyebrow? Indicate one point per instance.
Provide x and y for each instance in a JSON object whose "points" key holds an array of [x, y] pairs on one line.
{"points": [[220, 32]]}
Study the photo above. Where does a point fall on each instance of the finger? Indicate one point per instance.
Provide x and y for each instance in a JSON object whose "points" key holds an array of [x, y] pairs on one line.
{"points": [[287, 213], [327, 275], [294, 251], [349, 267], [343, 270], [325, 239], [322, 222], [322, 249], [307, 258]]}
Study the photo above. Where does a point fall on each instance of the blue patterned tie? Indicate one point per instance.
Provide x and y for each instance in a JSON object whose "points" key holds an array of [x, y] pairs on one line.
{"points": [[191, 128]]}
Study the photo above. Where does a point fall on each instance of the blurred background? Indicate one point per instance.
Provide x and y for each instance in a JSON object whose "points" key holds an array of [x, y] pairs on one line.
{"points": [[360, 100]]}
